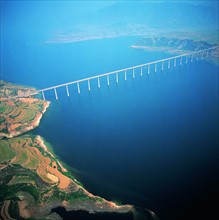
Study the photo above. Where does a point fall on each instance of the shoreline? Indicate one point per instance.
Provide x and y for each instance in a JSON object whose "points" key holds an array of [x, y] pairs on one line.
{"points": [[49, 170], [28, 126], [110, 206]]}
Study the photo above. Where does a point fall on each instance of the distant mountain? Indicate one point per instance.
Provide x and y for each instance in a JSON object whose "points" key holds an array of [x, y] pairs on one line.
{"points": [[137, 18], [169, 15], [173, 43]]}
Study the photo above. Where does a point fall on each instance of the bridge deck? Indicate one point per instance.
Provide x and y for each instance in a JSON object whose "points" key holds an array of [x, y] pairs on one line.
{"points": [[192, 56]]}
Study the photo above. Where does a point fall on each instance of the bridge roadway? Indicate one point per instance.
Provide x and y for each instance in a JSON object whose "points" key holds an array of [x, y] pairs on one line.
{"points": [[192, 55]]}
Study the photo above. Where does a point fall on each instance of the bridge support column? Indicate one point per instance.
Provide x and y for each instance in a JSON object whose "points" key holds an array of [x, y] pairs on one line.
{"points": [[186, 59], [117, 78], [141, 71], [155, 67], [181, 61], [192, 58], [175, 62], [168, 63], [162, 65], [56, 94], [108, 81], [43, 95], [125, 75], [88, 84], [148, 69], [98, 81], [133, 73], [67, 90], [78, 88]]}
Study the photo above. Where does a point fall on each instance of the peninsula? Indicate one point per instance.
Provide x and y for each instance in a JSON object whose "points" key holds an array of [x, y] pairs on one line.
{"points": [[32, 180], [175, 45]]}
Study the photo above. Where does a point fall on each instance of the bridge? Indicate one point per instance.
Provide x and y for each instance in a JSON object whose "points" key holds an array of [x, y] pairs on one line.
{"points": [[163, 63]]}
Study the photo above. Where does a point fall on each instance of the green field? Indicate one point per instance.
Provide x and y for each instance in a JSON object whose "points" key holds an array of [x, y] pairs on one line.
{"points": [[29, 116], [21, 179], [6, 153], [33, 163], [5, 109]]}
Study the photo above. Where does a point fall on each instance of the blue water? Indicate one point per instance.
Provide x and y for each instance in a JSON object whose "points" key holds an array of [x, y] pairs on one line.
{"points": [[151, 141]]}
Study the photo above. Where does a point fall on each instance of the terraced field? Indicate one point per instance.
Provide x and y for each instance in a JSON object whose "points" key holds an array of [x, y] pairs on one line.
{"points": [[19, 116], [24, 151], [7, 153], [32, 180]]}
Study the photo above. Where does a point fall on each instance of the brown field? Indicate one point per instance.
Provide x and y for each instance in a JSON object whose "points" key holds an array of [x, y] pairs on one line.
{"points": [[29, 156], [20, 117], [64, 181], [44, 162], [29, 100], [14, 126]]}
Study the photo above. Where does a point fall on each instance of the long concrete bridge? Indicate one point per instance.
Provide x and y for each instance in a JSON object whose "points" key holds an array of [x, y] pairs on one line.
{"points": [[151, 66]]}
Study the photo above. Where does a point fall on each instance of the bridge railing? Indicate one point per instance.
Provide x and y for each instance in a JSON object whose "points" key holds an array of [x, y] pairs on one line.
{"points": [[191, 55]]}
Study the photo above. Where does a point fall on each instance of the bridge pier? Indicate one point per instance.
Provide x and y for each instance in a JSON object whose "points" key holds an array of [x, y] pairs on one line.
{"points": [[67, 90], [56, 94], [98, 81], [78, 88], [108, 81], [133, 73], [88, 84], [189, 57], [43, 96]]}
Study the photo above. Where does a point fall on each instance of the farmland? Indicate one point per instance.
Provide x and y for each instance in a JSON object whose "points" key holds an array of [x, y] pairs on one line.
{"points": [[20, 116], [32, 180], [30, 170]]}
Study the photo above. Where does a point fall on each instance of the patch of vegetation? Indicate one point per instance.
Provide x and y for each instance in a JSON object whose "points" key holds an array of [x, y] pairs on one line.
{"points": [[2, 119], [22, 158], [18, 128], [6, 152], [4, 130], [28, 116], [9, 192], [33, 163], [21, 179], [14, 210], [15, 113], [5, 109], [31, 190]]}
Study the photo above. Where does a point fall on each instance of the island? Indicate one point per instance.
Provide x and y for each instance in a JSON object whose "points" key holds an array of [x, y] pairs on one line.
{"points": [[32, 180]]}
